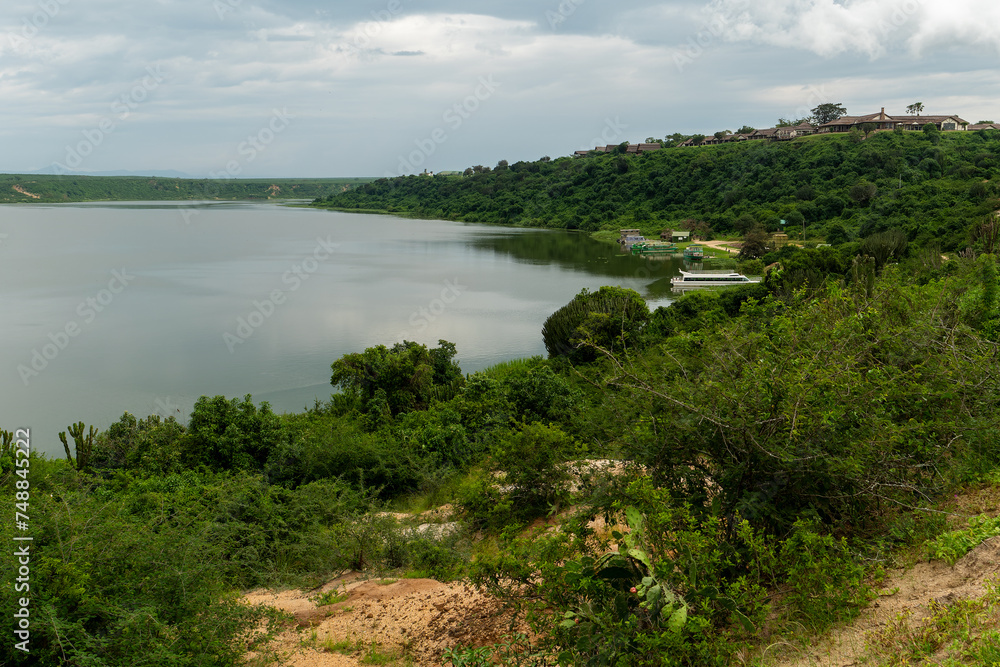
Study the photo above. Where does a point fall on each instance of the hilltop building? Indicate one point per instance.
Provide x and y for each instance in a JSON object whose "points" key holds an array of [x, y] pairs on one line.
{"points": [[883, 121], [632, 149]]}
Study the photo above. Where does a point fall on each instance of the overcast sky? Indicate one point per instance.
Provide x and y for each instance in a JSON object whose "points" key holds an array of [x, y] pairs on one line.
{"points": [[256, 88]]}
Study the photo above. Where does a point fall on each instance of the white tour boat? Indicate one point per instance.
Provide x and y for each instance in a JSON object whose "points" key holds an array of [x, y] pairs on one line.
{"points": [[689, 279]]}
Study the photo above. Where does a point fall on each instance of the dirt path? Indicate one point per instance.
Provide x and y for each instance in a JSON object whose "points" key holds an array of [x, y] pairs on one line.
{"points": [[18, 188], [910, 589], [731, 246], [411, 619]]}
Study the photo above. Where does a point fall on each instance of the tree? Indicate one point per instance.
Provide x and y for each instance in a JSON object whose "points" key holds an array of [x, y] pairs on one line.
{"points": [[468, 172], [609, 318], [699, 228], [984, 122], [390, 381], [746, 129], [674, 139], [836, 234], [863, 192], [826, 113], [868, 128], [755, 243], [696, 139], [883, 246], [915, 109], [985, 234], [502, 165], [791, 122], [232, 434], [722, 134]]}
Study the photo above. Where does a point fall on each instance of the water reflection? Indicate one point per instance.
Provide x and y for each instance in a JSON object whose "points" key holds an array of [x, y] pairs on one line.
{"points": [[201, 266]]}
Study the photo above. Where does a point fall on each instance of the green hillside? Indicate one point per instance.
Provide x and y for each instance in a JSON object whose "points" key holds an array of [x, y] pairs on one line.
{"points": [[28, 188], [932, 186]]}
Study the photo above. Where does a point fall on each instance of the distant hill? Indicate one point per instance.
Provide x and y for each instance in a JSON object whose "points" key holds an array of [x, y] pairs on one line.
{"points": [[56, 170], [932, 186], [47, 188]]}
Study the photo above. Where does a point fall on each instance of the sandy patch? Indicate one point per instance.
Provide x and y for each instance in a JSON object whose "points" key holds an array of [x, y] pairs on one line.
{"points": [[415, 618], [917, 587], [18, 188]]}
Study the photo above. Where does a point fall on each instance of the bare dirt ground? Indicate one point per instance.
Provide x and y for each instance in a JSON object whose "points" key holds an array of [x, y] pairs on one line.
{"points": [[413, 619], [20, 189], [729, 246], [909, 589]]}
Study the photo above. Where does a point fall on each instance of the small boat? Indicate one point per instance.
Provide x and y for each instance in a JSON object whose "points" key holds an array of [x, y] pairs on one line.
{"points": [[694, 252], [648, 248], [629, 242], [690, 279]]}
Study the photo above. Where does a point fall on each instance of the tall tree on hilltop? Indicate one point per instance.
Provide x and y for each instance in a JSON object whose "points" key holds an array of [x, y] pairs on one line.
{"points": [[828, 112], [915, 109]]}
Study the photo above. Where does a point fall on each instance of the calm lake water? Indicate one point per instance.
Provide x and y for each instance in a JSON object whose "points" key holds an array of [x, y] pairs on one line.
{"points": [[143, 307]]}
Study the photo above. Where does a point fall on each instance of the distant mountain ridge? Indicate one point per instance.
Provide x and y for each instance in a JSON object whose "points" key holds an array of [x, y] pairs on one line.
{"points": [[42, 188], [56, 170]]}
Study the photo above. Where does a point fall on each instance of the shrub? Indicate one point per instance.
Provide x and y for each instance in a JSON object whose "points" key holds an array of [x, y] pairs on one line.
{"points": [[609, 318]]}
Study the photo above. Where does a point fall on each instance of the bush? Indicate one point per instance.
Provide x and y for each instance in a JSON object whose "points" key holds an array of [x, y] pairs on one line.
{"points": [[232, 435], [526, 477], [609, 318]]}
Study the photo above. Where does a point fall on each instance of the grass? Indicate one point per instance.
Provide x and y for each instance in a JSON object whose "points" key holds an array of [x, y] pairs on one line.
{"points": [[959, 633], [506, 368], [376, 656], [330, 597], [372, 653], [954, 544], [442, 492]]}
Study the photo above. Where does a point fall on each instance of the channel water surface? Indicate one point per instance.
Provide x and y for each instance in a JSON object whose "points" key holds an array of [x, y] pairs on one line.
{"points": [[143, 307]]}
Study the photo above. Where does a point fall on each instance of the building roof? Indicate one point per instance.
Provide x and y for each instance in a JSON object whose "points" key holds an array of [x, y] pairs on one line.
{"points": [[883, 117], [985, 126]]}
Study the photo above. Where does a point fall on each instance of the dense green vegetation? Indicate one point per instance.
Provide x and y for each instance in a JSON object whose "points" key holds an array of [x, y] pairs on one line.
{"points": [[740, 464], [929, 185], [16, 188], [771, 444]]}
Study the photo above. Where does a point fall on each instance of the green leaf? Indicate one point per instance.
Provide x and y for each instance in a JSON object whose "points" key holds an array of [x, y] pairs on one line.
{"points": [[678, 618]]}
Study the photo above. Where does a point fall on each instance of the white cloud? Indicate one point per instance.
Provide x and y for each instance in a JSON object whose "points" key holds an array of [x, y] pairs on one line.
{"points": [[869, 27], [965, 22], [359, 103]]}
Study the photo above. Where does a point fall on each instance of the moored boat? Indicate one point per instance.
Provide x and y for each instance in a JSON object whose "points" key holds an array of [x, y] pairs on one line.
{"points": [[691, 279], [694, 251]]}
